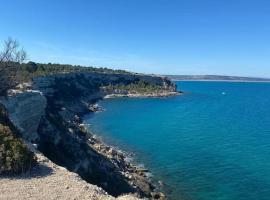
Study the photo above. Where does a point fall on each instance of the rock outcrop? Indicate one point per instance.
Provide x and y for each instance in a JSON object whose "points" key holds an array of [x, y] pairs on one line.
{"points": [[25, 109]]}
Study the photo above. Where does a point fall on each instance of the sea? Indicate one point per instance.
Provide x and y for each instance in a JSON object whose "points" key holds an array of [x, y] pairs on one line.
{"points": [[210, 143]]}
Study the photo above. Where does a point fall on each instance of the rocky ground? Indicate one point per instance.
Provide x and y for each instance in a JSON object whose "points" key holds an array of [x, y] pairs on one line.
{"points": [[50, 181]]}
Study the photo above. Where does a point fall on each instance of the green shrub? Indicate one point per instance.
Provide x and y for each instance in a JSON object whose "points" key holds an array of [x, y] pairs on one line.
{"points": [[12, 73], [14, 154], [136, 87]]}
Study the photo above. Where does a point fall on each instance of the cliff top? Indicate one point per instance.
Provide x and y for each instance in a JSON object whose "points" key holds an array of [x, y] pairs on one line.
{"points": [[50, 181]]}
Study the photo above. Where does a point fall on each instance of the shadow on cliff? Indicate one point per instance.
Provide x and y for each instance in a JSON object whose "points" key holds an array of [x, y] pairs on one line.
{"points": [[71, 151], [63, 141]]}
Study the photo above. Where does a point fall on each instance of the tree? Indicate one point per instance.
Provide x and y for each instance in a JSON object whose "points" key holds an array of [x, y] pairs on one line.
{"points": [[10, 58], [12, 52]]}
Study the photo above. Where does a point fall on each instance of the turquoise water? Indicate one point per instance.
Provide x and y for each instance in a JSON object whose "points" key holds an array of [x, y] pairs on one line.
{"points": [[211, 143]]}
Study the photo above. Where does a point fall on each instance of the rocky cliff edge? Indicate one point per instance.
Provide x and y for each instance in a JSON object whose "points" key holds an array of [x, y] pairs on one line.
{"points": [[48, 113]]}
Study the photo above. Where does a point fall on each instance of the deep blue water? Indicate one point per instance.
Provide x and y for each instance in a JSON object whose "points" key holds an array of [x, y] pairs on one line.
{"points": [[211, 143]]}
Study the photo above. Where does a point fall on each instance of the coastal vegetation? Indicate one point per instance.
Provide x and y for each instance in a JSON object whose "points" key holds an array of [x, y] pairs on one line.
{"points": [[10, 57], [13, 73], [140, 86], [14, 154], [14, 69]]}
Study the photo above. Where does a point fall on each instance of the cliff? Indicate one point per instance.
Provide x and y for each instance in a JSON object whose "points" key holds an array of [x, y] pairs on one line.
{"points": [[30, 102], [48, 112]]}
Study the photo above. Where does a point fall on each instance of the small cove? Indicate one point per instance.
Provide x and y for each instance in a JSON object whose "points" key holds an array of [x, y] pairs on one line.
{"points": [[211, 143]]}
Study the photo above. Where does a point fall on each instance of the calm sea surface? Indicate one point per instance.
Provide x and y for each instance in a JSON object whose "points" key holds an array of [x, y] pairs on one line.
{"points": [[211, 143]]}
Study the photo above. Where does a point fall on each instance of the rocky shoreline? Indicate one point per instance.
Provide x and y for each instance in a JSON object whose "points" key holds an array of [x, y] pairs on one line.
{"points": [[49, 113], [137, 176]]}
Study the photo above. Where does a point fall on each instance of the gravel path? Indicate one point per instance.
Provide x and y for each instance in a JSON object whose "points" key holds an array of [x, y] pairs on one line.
{"points": [[50, 181]]}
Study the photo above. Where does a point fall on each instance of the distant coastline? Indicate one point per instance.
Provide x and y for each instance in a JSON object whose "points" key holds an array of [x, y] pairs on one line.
{"points": [[217, 78]]}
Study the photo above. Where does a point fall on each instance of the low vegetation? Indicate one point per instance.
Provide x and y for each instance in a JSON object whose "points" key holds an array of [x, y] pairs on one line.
{"points": [[14, 154], [14, 73], [137, 87], [32, 69], [14, 69]]}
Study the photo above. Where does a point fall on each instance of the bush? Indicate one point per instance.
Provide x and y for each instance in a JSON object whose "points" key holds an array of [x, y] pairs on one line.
{"points": [[14, 154], [136, 87], [12, 73], [7, 77]]}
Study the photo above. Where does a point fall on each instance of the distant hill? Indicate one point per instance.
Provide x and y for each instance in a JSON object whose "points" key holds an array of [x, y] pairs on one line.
{"points": [[216, 78]]}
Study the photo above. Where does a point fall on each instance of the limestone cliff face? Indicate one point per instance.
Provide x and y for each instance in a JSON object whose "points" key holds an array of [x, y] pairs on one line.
{"points": [[80, 80], [50, 115], [25, 110]]}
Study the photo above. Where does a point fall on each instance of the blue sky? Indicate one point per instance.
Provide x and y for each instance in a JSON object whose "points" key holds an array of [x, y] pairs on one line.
{"points": [[230, 37]]}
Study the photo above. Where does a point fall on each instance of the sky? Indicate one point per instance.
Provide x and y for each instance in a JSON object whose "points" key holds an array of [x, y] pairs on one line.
{"points": [[225, 37]]}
